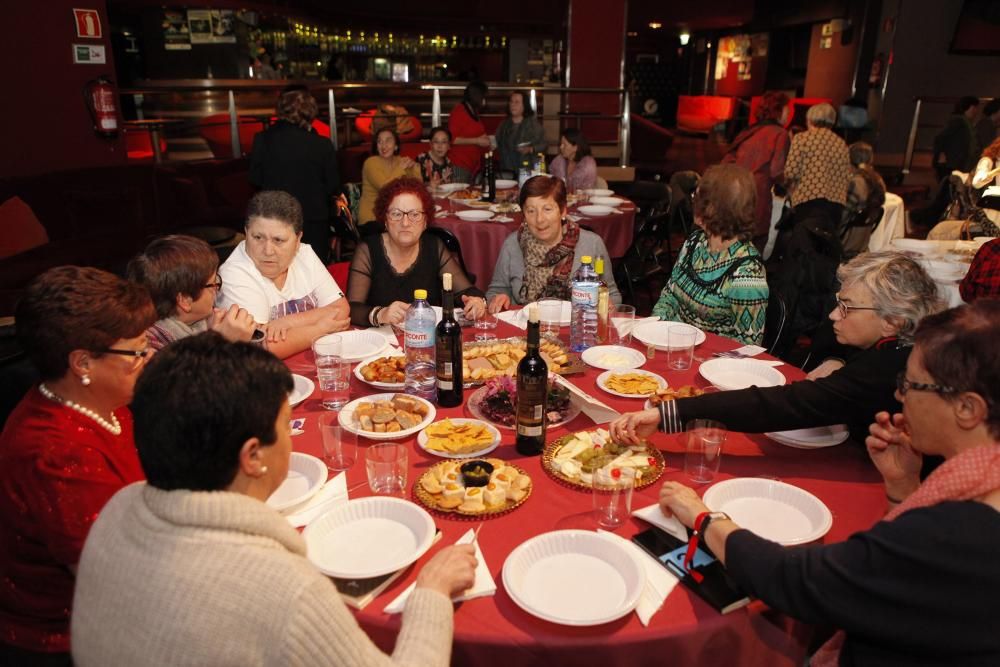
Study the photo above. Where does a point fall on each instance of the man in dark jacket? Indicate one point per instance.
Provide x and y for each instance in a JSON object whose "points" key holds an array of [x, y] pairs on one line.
{"points": [[955, 147]]}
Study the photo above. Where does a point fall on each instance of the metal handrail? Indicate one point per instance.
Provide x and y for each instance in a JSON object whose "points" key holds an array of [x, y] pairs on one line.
{"points": [[911, 140]]}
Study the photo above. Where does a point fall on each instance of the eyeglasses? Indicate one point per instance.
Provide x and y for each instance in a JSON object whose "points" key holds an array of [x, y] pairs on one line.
{"points": [[397, 215], [845, 309], [903, 385], [217, 285]]}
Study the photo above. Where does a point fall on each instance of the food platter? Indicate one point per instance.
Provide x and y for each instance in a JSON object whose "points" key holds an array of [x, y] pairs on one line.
{"points": [[609, 357], [607, 377], [513, 497], [475, 405], [672, 393], [483, 360], [350, 416], [429, 436], [556, 468], [360, 369]]}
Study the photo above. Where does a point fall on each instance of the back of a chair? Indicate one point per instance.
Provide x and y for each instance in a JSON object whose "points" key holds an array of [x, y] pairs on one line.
{"points": [[340, 272], [450, 242], [774, 322]]}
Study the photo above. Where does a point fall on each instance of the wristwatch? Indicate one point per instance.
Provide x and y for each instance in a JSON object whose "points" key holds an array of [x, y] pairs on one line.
{"points": [[708, 518]]}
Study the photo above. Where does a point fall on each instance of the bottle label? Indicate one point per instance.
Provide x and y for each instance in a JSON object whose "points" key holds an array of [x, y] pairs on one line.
{"points": [[585, 295], [445, 385], [530, 431], [419, 336]]}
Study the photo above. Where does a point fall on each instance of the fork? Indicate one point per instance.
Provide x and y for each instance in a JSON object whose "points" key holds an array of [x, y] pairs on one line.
{"points": [[732, 354]]}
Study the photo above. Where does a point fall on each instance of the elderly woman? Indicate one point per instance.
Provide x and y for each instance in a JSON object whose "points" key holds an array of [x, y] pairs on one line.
{"points": [[181, 274], [468, 131], [384, 165], [66, 448], [539, 259], [388, 267], [519, 134], [920, 586], [290, 156], [865, 193], [224, 578], [434, 165], [574, 163], [882, 298], [762, 148], [718, 282], [279, 280]]}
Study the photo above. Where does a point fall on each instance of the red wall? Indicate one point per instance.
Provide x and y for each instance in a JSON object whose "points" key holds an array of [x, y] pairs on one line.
{"points": [[45, 125], [597, 46]]}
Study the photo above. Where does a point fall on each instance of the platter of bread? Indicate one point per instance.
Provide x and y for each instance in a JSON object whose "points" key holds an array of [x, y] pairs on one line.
{"points": [[574, 459], [485, 360], [473, 487], [387, 416]]}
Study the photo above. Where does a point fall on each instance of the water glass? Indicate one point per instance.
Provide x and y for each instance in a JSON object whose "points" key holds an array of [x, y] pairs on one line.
{"points": [[703, 449], [680, 344], [613, 496], [549, 316], [340, 446], [332, 372], [622, 319], [386, 465]]}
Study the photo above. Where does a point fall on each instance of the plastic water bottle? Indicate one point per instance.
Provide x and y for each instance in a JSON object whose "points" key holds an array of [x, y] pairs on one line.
{"points": [[418, 340], [585, 287]]}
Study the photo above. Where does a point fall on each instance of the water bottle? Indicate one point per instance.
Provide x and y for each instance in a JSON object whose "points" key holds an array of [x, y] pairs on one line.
{"points": [[585, 288], [524, 173], [418, 340]]}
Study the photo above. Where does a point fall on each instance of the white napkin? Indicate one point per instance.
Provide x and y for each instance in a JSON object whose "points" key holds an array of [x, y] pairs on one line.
{"points": [[333, 493], [502, 218], [652, 514], [625, 326], [659, 580], [484, 585], [517, 318], [593, 408]]}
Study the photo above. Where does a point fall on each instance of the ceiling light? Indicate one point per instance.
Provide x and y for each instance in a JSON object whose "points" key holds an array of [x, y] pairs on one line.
{"points": [[685, 37], [655, 25]]}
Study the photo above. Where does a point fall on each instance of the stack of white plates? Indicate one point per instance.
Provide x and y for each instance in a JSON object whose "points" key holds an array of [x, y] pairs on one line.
{"points": [[774, 510], [359, 344], [729, 374], [811, 438]]}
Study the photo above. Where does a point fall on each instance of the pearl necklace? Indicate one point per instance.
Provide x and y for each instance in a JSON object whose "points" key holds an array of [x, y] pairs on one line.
{"points": [[113, 427]]}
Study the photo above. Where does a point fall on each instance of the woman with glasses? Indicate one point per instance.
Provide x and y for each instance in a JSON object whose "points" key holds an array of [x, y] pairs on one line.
{"points": [[181, 274], [384, 165], [389, 266], [66, 448], [882, 298], [434, 165], [920, 586]]}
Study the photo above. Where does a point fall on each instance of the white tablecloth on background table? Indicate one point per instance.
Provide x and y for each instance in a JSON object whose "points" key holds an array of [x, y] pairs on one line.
{"points": [[893, 223]]}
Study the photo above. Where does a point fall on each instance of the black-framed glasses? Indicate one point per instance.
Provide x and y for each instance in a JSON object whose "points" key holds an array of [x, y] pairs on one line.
{"points": [[397, 215], [904, 385], [845, 309], [138, 356], [217, 285]]}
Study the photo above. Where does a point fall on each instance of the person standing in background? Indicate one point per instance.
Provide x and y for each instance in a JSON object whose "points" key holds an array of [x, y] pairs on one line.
{"points": [[519, 134], [467, 130], [955, 147]]}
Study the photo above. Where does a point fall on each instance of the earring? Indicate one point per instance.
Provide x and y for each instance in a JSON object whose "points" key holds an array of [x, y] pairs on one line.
{"points": [[85, 380], [263, 470]]}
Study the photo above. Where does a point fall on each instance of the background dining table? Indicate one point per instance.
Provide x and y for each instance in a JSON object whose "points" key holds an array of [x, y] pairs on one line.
{"points": [[481, 241], [686, 631]]}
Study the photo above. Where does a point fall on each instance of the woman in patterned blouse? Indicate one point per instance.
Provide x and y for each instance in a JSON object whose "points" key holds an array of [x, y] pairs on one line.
{"points": [[718, 283], [434, 165]]}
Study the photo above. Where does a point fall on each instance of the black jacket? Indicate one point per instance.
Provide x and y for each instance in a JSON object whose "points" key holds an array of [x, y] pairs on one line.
{"points": [[300, 162]]}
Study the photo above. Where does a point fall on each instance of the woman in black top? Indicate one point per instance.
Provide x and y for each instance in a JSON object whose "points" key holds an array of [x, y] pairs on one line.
{"points": [[389, 266]]}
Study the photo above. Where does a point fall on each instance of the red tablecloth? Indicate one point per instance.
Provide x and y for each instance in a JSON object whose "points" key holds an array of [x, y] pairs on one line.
{"points": [[686, 631], [481, 241]]}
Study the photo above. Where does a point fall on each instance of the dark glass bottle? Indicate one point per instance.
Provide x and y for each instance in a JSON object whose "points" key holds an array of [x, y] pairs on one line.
{"points": [[532, 394], [449, 350], [489, 178]]}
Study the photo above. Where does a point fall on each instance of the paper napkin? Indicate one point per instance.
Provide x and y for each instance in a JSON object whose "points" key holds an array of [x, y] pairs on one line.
{"points": [[484, 585], [590, 406], [659, 580], [333, 493], [517, 318], [652, 514], [625, 326], [297, 425]]}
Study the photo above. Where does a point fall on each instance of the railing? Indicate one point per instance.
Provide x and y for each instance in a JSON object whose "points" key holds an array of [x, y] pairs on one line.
{"points": [[915, 125]]}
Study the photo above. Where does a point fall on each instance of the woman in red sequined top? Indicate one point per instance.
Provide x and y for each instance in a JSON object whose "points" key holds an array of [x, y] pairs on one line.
{"points": [[66, 448]]}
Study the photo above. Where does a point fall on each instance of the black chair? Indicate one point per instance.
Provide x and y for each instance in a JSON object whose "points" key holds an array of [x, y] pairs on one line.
{"points": [[651, 253], [774, 323], [451, 243], [858, 229]]}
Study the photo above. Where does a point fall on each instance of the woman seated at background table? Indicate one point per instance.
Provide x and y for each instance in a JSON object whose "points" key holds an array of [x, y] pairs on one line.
{"points": [[919, 587], [519, 135], [199, 536], [882, 298], [539, 259], [66, 448], [718, 282], [384, 165], [181, 274], [574, 164], [388, 267], [434, 165], [279, 280], [468, 132]]}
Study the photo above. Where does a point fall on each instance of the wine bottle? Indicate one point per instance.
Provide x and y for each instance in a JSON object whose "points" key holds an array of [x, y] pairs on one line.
{"points": [[449, 350], [491, 177], [532, 394], [603, 304]]}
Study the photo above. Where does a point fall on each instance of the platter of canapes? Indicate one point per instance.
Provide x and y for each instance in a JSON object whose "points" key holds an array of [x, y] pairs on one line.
{"points": [[473, 487], [482, 361], [386, 416], [457, 438], [575, 459]]}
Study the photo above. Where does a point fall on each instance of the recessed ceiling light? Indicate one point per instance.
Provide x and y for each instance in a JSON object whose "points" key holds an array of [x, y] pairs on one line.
{"points": [[655, 25]]}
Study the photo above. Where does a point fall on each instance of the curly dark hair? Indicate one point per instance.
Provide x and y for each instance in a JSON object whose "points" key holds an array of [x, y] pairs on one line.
{"points": [[771, 106], [277, 205], [543, 186], [725, 201], [78, 308], [403, 186], [575, 137], [172, 265], [298, 107]]}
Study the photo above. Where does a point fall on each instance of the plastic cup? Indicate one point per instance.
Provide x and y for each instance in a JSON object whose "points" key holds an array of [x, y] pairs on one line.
{"points": [[332, 372], [386, 464], [549, 316], [340, 446], [613, 496], [680, 344], [703, 449], [621, 318]]}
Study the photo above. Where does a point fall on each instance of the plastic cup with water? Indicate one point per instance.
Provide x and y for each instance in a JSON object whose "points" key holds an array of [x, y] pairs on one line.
{"points": [[622, 319], [612, 492], [340, 446], [386, 464], [703, 449], [332, 372], [680, 344]]}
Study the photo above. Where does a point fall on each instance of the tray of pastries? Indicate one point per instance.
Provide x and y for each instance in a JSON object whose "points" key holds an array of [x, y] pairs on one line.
{"points": [[484, 360], [473, 487]]}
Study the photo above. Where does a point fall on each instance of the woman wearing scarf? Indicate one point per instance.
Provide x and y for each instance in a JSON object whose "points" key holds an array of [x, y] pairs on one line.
{"points": [[539, 259], [919, 587]]}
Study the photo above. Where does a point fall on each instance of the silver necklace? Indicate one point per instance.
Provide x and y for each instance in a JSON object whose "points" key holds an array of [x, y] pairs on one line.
{"points": [[113, 427]]}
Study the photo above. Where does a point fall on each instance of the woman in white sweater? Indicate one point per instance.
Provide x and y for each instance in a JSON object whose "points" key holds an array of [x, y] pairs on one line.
{"points": [[192, 568]]}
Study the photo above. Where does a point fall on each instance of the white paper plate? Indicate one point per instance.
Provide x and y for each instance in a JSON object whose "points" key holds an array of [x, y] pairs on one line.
{"points": [[302, 389], [811, 438], [607, 201], [573, 577], [606, 374], [505, 184], [474, 215], [599, 356], [655, 333], [369, 537], [306, 476], [422, 441], [922, 246], [565, 315], [774, 510], [595, 210], [346, 418], [359, 344], [729, 374], [398, 386], [600, 192], [452, 187]]}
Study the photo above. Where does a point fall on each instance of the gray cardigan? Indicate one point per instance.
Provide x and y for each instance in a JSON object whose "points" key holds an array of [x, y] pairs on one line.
{"points": [[508, 275]]}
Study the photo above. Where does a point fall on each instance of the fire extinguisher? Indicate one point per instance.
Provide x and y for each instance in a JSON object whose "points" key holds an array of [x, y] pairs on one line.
{"points": [[99, 95]]}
